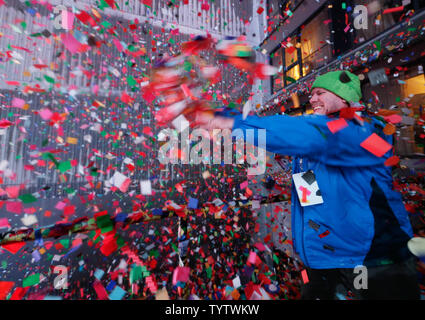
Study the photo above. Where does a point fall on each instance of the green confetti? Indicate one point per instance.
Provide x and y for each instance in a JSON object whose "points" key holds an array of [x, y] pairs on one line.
{"points": [[106, 24], [292, 80], [31, 280], [104, 223], [120, 241], [103, 5], [209, 272], [378, 45], [70, 190], [65, 243], [27, 198], [49, 79], [136, 273], [131, 82], [64, 166]]}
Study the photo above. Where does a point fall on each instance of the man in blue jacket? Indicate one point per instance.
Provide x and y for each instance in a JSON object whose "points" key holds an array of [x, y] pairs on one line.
{"points": [[361, 221]]}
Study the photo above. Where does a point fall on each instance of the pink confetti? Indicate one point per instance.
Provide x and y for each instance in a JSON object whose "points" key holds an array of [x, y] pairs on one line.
{"points": [[45, 114], [18, 103], [14, 207], [4, 223], [67, 20], [70, 42]]}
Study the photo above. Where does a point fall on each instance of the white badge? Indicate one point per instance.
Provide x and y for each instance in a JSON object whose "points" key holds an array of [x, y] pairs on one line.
{"points": [[307, 188]]}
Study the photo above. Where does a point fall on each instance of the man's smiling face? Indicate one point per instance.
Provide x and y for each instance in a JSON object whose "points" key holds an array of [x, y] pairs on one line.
{"points": [[325, 102]]}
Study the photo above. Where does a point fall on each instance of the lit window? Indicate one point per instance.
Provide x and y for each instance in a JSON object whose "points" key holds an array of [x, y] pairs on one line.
{"points": [[315, 50]]}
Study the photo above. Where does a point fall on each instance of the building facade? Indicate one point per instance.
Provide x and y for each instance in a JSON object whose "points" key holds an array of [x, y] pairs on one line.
{"points": [[380, 41]]}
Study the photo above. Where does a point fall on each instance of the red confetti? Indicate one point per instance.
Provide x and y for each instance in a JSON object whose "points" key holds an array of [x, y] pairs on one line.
{"points": [[376, 145], [5, 287], [337, 125], [392, 161]]}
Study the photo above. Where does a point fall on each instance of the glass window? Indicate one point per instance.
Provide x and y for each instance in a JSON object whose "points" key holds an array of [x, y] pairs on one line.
{"points": [[315, 50], [291, 54], [276, 61], [293, 74], [404, 94], [292, 60]]}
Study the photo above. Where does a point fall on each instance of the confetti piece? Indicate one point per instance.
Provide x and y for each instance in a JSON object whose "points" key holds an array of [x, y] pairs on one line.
{"points": [[246, 109], [118, 45], [376, 145], [392, 161], [193, 203], [68, 211], [5, 286], [4, 223], [70, 43], [236, 282], [121, 181], [18, 103], [394, 118], [162, 294], [244, 185], [13, 247], [5, 123], [67, 20], [29, 220], [393, 10], [27, 198], [389, 129], [102, 294], [181, 274], [99, 274], [117, 294], [13, 192], [304, 276], [45, 114], [71, 140], [64, 166], [145, 187], [14, 207], [337, 125], [252, 257], [147, 3]]}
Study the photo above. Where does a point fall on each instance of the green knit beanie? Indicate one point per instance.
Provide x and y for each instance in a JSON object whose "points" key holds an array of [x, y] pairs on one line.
{"points": [[343, 83]]}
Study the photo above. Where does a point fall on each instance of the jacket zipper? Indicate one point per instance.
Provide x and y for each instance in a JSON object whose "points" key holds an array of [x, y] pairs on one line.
{"points": [[302, 238], [303, 254]]}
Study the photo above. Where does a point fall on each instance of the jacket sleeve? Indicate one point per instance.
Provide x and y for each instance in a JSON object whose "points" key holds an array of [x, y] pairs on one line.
{"points": [[309, 136]]}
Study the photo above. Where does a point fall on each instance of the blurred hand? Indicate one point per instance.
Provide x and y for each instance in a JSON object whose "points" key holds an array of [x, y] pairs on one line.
{"points": [[207, 121]]}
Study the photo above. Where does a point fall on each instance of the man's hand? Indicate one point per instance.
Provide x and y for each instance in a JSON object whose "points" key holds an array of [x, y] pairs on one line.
{"points": [[207, 121]]}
